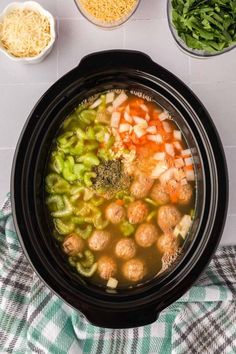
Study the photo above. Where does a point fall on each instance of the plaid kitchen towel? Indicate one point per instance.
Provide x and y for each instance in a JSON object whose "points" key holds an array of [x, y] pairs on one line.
{"points": [[34, 320]]}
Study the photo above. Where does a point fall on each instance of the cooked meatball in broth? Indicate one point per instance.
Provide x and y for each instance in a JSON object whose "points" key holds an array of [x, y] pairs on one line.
{"points": [[125, 249], [146, 235], [137, 212], [115, 213]]}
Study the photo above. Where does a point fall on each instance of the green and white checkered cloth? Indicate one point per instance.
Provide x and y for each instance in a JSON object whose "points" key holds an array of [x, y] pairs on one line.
{"points": [[34, 320]]}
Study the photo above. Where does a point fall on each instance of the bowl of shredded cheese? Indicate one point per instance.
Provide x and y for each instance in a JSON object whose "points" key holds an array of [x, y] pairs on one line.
{"points": [[107, 13], [27, 32]]}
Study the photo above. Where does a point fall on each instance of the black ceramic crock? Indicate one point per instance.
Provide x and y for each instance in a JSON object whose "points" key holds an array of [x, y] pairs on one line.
{"points": [[95, 73]]}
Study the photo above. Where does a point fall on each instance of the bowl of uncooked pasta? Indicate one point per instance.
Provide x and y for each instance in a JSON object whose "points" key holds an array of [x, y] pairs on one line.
{"points": [[107, 13]]}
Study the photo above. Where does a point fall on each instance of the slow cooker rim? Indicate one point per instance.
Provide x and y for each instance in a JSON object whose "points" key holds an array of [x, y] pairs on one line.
{"points": [[14, 211]]}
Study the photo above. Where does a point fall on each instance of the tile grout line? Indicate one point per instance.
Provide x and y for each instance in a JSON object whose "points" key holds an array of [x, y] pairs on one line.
{"points": [[124, 37]]}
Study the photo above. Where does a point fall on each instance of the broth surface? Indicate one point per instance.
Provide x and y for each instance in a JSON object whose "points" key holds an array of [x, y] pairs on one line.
{"points": [[120, 189]]}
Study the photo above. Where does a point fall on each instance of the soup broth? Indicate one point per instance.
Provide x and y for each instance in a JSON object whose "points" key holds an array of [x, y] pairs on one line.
{"points": [[120, 189]]}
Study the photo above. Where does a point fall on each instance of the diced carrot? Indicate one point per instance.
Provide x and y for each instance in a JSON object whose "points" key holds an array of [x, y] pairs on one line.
{"points": [[188, 168], [153, 146], [121, 108], [153, 123], [136, 102], [120, 202], [174, 197], [143, 139], [155, 115], [122, 120], [134, 138]]}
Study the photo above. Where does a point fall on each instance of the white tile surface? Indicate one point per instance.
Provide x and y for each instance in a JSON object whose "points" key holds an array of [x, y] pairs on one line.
{"points": [[78, 38], [68, 9], [220, 101], [16, 101], [143, 35], [150, 9], [213, 80], [217, 69], [6, 157]]}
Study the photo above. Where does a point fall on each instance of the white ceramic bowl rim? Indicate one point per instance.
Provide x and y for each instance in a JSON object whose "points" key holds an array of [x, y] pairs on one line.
{"points": [[34, 6]]}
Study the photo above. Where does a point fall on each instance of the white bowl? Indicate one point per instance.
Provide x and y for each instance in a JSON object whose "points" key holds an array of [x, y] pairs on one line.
{"points": [[32, 5]]}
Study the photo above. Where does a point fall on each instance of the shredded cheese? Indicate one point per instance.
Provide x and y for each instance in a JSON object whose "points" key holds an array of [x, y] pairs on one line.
{"points": [[25, 33], [108, 11]]}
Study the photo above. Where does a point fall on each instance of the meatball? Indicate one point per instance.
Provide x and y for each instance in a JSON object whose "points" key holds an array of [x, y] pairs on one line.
{"points": [[168, 217], [73, 244], [99, 240], [159, 194], [141, 186], [137, 212], [166, 243], [115, 213], [185, 194], [134, 270], [107, 267], [125, 249], [146, 235]]}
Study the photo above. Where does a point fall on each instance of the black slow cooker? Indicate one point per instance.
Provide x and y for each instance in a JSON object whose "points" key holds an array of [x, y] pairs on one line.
{"points": [[98, 72]]}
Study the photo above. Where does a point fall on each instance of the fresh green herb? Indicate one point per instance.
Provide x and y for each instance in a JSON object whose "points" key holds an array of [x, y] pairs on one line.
{"points": [[208, 25]]}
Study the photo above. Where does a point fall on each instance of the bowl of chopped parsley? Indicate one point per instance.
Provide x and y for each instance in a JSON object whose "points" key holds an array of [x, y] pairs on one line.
{"points": [[203, 28]]}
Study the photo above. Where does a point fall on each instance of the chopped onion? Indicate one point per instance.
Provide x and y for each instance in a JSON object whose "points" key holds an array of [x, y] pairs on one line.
{"points": [[179, 162], [179, 174], [186, 152], [110, 97], [128, 117], [159, 156], [147, 117], [124, 128], [112, 283], [164, 115], [188, 161], [140, 121], [155, 138], [167, 127], [183, 226], [177, 135], [115, 119], [139, 131], [170, 149], [106, 137], [109, 109], [177, 145], [120, 99], [144, 107], [159, 169], [96, 103], [190, 175], [152, 130], [167, 175], [183, 182]]}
